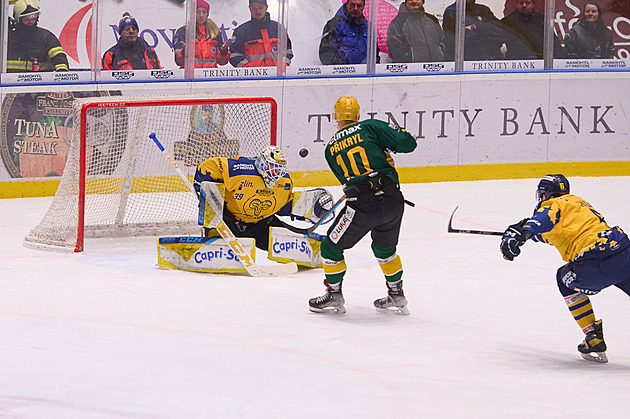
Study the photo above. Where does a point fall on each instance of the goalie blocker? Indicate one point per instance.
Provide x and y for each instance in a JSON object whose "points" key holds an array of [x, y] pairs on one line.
{"points": [[208, 254]]}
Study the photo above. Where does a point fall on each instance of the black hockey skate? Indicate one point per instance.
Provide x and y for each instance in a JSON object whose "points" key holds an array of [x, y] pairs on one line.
{"points": [[594, 348], [331, 302], [395, 301]]}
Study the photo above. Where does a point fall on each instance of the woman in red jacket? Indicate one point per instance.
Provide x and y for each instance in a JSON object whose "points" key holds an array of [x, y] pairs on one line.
{"points": [[210, 50]]}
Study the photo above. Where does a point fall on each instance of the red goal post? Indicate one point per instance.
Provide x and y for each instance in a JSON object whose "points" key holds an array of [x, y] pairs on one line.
{"points": [[117, 182]]}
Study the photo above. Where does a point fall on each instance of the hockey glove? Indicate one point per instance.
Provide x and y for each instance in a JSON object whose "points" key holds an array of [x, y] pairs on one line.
{"points": [[323, 205], [513, 238]]}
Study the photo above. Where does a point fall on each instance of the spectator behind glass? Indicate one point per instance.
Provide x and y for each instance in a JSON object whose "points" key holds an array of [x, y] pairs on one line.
{"points": [[526, 29], [344, 39], [28, 42], [256, 41], [589, 38], [210, 49], [131, 52], [483, 35], [414, 35]]}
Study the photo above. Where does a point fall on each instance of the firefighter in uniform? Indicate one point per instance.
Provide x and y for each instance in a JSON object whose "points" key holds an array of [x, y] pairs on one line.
{"points": [[31, 48]]}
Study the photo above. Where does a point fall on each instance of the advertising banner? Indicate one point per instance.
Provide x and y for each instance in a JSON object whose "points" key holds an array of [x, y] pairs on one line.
{"points": [[37, 132]]}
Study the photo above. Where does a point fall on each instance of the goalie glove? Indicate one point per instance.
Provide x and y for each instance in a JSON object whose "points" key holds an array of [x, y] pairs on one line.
{"points": [[513, 238], [323, 205], [311, 205]]}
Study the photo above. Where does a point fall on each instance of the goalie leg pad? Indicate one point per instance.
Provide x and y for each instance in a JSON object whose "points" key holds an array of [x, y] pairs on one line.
{"points": [[202, 254], [286, 246]]}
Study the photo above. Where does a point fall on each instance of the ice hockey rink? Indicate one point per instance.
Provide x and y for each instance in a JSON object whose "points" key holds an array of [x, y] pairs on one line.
{"points": [[108, 334]]}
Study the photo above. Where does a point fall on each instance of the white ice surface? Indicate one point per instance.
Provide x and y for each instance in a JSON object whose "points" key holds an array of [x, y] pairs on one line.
{"points": [[108, 334]]}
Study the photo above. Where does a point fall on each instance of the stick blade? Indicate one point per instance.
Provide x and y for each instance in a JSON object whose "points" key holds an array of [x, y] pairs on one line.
{"points": [[450, 221]]}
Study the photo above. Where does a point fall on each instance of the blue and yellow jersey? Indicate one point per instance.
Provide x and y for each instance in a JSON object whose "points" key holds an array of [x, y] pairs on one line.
{"points": [[246, 195], [574, 227]]}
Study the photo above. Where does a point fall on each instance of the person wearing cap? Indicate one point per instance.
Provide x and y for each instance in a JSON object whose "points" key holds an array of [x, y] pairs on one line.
{"points": [[31, 48], [256, 41], [130, 52], [210, 50], [344, 39]]}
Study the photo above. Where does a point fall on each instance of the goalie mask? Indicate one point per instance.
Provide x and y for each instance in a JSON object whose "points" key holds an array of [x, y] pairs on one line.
{"points": [[551, 186], [271, 165]]}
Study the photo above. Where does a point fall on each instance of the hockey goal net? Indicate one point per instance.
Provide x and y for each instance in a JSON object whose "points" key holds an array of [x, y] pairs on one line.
{"points": [[117, 182]]}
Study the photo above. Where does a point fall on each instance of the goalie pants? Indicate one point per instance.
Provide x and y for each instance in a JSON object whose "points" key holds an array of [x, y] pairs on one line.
{"points": [[258, 231], [378, 212]]}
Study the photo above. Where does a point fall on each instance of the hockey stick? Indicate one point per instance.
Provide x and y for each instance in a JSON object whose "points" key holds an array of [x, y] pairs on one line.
{"points": [[480, 232], [250, 265], [311, 229]]}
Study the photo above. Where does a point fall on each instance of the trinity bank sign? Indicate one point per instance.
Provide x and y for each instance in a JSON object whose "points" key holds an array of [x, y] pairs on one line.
{"points": [[229, 73], [504, 121]]}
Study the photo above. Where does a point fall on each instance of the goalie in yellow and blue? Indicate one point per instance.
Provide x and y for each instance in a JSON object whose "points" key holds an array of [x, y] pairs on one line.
{"points": [[257, 190], [597, 254]]}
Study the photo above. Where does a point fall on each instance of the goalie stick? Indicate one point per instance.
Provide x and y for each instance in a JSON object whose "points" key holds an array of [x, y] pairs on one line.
{"points": [[250, 265], [451, 229]]}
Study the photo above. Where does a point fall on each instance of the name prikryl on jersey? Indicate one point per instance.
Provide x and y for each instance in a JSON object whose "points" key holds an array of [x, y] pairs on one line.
{"points": [[201, 257], [296, 244], [346, 142]]}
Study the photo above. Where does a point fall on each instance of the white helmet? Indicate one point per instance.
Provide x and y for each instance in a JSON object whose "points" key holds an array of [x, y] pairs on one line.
{"points": [[23, 8], [271, 165]]}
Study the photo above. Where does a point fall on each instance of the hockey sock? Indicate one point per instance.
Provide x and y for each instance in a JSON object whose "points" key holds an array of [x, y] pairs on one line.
{"points": [[392, 268], [580, 306], [389, 262], [334, 262], [334, 270]]}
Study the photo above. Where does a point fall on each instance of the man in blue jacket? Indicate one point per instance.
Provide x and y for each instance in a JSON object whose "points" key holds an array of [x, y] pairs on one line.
{"points": [[344, 40]]}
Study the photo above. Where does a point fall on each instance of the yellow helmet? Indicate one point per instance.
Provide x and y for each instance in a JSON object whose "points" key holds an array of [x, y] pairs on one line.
{"points": [[23, 8], [347, 109]]}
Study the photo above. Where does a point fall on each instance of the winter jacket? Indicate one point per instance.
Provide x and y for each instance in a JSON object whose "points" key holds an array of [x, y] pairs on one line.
{"points": [[526, 36], [415, 36], [344, 40], [130, 56], [483, 41], [207, 50], [256, 44], [582, 42], [25, 43]]}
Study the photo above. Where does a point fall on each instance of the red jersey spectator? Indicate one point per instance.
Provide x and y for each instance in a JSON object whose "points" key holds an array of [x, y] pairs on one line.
{"points": [[256, 41], [210, 50], [131, 52]]}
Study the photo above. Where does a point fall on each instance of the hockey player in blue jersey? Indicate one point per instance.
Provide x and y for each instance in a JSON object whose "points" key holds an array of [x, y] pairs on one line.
{"points": [[598, 255]]}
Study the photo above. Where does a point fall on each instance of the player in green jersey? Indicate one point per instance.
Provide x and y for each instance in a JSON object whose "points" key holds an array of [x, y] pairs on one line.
{"points": [[359, 155]]}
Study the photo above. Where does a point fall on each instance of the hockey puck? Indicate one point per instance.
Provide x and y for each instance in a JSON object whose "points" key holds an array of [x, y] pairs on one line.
{"points": [[303, 152]]}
